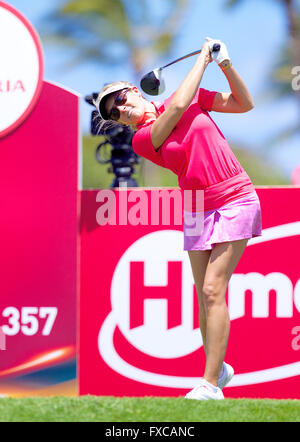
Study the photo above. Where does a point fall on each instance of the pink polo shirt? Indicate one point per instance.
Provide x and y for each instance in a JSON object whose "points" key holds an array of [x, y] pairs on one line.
{"points": [[198, 153]]}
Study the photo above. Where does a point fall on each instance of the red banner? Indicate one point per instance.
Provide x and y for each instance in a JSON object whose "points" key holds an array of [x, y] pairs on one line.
{"points": [[138, 310], [39, 237]]}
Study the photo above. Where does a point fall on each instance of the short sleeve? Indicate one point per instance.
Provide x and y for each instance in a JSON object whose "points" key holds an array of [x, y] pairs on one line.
{"points": [[206, 98], [142, 145]]}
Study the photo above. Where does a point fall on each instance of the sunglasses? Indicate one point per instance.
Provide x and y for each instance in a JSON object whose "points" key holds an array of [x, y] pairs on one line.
{"points": [[120, 100]]}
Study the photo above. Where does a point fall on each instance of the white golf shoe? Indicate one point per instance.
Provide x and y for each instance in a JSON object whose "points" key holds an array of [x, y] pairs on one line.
{"points": [[205, 392], [226, 375]]}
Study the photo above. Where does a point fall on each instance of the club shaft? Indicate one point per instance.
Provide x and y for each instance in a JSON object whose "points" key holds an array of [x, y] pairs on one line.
{"points": [[182, 58], [215, 48]]}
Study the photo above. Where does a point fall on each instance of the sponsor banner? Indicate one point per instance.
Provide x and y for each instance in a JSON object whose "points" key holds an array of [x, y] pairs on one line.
{"points": [[139, 330], [39, 238]]}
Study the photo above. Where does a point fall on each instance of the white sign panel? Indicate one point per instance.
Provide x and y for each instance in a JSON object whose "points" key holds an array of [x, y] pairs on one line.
{"points": [[21, 70]]}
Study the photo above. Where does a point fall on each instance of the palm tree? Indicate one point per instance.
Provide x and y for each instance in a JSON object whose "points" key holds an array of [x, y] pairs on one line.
{"points": [[115, 32]]}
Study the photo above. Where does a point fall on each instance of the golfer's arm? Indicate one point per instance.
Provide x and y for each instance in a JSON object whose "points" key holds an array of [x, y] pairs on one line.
{"points": [[182, 98], [239, 100]]}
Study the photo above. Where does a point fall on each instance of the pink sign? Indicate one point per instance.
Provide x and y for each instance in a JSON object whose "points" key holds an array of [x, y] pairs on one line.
{"points": [[38, 260], [296, 176], [138, 310]]}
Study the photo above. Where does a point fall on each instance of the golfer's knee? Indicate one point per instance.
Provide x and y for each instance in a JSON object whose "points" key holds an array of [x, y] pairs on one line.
{"points": [[213, 294]]}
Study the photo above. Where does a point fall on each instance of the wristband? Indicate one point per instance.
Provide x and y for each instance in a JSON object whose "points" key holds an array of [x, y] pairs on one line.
{"points": [[227, 64]]}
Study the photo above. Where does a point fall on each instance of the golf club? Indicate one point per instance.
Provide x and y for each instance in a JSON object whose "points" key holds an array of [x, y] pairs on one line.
{"points": [[153, 82]]}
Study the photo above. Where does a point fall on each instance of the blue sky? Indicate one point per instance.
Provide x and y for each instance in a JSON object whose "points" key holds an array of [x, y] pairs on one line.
{"points": [[254, 32]]}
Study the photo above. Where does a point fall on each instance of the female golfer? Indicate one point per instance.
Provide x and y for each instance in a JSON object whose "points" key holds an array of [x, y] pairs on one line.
{"points": [[180, 135]]}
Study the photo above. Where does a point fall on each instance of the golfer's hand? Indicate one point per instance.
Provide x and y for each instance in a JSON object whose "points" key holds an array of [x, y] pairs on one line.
{"points": [[206, 51], [222, 54]]}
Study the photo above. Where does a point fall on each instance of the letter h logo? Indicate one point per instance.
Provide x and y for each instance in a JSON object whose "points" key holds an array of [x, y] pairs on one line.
{"points": [[172, 292]]}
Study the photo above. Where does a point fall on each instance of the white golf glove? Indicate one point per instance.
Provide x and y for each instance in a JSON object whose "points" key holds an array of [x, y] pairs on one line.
{"points": [[220, 55]]}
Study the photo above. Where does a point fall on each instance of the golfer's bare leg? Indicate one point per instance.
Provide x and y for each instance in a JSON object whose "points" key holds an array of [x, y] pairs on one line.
{"points": [[199, 260], [222, 261]]}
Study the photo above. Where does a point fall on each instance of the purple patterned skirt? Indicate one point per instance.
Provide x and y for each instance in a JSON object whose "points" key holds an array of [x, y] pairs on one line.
{"points": [[236, 220]]}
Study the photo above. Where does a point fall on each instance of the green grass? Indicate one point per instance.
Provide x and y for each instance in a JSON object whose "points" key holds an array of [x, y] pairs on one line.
{"points": [[146, 409]]}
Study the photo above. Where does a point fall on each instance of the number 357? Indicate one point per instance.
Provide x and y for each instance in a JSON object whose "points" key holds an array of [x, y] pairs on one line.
{"points": [[27, 320]]}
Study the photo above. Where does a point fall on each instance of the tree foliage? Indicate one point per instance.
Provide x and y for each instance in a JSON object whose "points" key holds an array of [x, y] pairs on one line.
{"points": [[118, 31]]}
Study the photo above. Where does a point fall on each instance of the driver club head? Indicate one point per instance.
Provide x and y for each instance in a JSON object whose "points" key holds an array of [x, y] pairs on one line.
{"points": [[153, 82]]}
